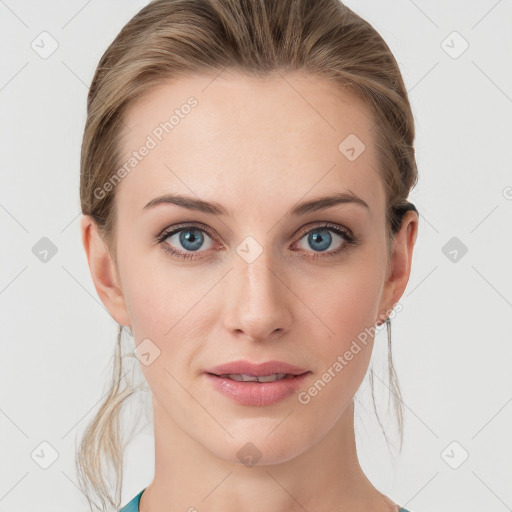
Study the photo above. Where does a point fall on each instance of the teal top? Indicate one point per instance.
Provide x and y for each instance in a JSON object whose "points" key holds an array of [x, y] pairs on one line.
{"points": [[133, 506]]}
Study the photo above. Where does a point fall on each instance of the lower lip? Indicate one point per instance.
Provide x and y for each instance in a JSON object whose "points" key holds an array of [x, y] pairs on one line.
{"points": [[257, 393]]}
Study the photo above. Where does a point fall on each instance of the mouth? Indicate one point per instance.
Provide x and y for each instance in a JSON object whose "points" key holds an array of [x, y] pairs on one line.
{"points": [[243, 370], [242, 377], [257, 390]]}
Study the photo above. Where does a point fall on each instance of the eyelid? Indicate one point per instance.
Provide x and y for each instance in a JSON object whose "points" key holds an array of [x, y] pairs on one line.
{"points": [[168, 231], [326, 225]]}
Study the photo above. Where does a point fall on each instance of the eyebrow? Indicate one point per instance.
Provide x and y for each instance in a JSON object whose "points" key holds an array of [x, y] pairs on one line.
{"points": [[321, 203]]}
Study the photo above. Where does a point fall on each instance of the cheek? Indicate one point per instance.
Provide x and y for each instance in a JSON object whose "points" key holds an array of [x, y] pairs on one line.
{"points": [[157, 293], [347, 308], [347, 302], [153, 301], [161, 305], [170, 306]]}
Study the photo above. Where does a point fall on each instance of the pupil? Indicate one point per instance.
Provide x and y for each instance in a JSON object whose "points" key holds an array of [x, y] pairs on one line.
{"points": [[190, 240], [314, 238]]}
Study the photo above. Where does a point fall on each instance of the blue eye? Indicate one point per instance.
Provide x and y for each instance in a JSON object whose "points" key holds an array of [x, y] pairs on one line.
{"points": [[192, 239], [321, 238]]}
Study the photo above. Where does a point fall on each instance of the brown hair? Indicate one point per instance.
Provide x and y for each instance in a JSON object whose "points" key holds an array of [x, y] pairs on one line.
{"points": [[172, 38]]}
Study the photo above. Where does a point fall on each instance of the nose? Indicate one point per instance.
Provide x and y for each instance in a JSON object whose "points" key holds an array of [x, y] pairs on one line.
{"points": [[258, 300]]}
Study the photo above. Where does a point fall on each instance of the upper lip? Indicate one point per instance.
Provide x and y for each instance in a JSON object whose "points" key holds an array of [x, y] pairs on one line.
{"points": [[247, 368]]}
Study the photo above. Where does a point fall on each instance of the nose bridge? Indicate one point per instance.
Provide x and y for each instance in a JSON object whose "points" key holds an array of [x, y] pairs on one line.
{"points": [[258, 300], [259, 278]]}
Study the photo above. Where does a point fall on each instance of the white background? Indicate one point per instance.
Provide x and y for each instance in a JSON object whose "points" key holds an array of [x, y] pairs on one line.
{"points": [[452, 342]]}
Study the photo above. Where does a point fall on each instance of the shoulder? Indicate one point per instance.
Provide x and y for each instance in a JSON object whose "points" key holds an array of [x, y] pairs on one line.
{"points": [[133, 505]]}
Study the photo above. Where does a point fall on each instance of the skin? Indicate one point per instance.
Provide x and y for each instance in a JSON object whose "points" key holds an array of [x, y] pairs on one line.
{"points": [[257, 147]]}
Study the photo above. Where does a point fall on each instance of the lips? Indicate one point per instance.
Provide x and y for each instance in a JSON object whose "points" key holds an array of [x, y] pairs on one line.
{"points": [[246, 369], [253, 378], [259, 385]]}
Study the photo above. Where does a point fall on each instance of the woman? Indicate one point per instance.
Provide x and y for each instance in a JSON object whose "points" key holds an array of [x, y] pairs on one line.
{"points": [[244, 181]]}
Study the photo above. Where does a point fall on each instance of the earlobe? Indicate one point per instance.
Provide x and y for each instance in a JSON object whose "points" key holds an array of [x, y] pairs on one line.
{"points": [[103, 271], [400, 265]]}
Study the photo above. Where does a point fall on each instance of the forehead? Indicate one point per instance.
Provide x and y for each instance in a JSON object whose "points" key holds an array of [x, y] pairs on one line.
{"points": [[235, 139]]}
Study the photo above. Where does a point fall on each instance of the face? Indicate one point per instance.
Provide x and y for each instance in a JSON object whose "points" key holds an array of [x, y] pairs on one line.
{"points": [[253, 276]]}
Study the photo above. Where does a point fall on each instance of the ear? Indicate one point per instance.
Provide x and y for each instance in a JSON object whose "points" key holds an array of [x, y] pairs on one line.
{"points": [[103, 271], [400, 265]]}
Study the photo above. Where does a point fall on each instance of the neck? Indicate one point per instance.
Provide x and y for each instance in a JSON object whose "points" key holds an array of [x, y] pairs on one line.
{"points": [[326, 476]]}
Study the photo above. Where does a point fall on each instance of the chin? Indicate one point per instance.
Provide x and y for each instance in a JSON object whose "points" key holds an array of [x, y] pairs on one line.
{"points": [[260, 449]]}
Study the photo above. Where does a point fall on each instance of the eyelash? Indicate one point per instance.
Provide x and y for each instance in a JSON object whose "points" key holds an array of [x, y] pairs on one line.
{"points": [[349, 240]]}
